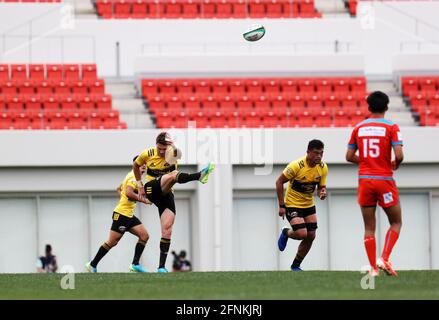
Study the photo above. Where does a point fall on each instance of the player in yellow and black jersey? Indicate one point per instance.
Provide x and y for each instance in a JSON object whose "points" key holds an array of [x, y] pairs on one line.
{"points": [[304, 176], [161, 164], [125, 220]]}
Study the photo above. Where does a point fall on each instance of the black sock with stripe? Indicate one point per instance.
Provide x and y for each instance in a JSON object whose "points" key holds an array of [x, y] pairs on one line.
{"points": [[140, 246], [186, 177], [103, 250], [297, 261], [164, 248]]}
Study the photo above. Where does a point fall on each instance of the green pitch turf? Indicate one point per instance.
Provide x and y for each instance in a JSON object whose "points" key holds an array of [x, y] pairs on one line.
{"points": [[222, 285]]}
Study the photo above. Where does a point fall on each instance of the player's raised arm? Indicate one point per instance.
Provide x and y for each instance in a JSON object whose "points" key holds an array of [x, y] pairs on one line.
{"points": [[138, 175], [280, 193]]}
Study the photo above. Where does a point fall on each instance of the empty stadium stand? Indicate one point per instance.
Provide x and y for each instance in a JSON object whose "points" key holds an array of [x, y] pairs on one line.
{"points": [[422, 94], [220, 9], [256, 102], [55, 96]]}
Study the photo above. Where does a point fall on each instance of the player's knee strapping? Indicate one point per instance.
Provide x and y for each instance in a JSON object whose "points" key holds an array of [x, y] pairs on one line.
{"points": [[312, 226], [298, 226]]}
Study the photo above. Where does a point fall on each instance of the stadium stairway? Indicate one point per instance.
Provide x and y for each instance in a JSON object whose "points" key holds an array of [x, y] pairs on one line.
{"points": [[129, 104], [332, 8], [84, 9], [398, 112]]}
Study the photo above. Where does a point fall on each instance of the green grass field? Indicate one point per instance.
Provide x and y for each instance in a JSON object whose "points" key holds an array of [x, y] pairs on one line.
{"points": [[222, 285]]}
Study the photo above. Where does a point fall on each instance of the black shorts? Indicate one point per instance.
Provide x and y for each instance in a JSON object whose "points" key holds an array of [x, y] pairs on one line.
{"points": [[122, 223], [154, 193], [293, 212]]}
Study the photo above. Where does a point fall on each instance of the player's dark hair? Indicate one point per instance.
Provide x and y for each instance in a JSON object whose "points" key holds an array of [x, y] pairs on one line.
{"points": [[162, 138], [48, 248], [315, 144], [378, 102]]}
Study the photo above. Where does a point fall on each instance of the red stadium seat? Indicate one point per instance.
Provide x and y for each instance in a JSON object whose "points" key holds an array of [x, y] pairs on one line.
{"points": [[54, 72], [274, 8], [323, 85], [33, 104], [105, 8], [409, 84], [36, 72], [237, 87], [427, 84], [68, 103], [18, 71], [289, 85], [61, 87], [172, 9], [190, 8], [192, 102], [4, 72], [208, 8], [78, 87], [122, 9], [184, 87], [210, 103], [257, 9], [89, 72], [14, 103], [8, 88], [306, 86], [358, 84], [25, 87], [262, 103], [103, 102], [202, 86], [155, 9], [139, 9], [95, 86], [239, 9], [50, 103], [224, 9], [71, 72], [44, 87]]}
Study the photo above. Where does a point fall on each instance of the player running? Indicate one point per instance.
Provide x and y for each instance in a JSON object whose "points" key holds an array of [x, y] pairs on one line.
{"points": [[304, 175], [375, 138], [160, 178], [125, 220]]}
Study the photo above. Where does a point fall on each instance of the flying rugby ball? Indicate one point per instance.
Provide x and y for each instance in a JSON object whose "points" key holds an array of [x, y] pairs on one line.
{"points": [[254, 33], [172, 154]]}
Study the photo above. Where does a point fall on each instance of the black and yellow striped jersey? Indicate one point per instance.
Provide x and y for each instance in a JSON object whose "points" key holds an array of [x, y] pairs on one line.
{"points": [[156, 166], [127, 206], [303, 182]]}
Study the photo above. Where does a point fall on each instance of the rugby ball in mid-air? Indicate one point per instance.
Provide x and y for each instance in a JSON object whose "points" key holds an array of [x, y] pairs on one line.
{"points": [[254, 33], [172, 154]]}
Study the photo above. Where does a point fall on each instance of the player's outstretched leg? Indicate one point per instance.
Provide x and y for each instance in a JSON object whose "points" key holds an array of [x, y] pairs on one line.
{"points": [[205, 172]]}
